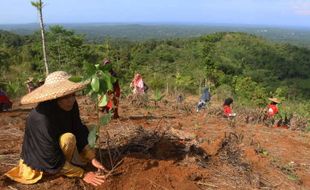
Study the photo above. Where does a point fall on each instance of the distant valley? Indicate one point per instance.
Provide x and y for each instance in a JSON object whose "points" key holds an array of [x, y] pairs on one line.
{"points": [[98, 32]]}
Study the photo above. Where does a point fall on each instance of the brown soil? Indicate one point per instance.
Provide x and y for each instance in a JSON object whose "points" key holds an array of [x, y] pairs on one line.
{"points": [[173, 147]]}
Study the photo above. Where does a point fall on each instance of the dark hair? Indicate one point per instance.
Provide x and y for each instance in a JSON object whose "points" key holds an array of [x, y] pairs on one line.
{"points": [[228, 101]]}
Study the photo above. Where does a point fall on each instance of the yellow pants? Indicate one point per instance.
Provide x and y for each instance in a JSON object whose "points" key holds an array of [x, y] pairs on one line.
{"points": [[26, 175]]}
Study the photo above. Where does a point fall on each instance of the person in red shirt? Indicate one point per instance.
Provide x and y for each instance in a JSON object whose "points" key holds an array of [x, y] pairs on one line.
{"points": [[272, 112], [227, 108], [5, 103], [272, 107]]}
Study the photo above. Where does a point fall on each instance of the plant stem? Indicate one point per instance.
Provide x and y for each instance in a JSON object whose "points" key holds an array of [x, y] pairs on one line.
{"points": [[98, 131], [109, 151]]}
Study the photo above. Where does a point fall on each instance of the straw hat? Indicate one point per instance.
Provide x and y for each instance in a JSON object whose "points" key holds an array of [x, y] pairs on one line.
{"points": [[274, 100], [57, 84]]}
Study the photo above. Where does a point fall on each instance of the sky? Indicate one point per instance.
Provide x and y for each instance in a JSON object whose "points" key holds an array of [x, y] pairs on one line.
{"points": [[249, 12]]}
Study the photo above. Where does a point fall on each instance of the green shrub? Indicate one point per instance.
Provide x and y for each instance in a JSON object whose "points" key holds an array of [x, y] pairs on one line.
{"points": [[222, 92]]}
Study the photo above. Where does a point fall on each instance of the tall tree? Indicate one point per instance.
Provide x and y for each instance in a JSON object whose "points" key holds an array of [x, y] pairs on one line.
{"points": [[39, 6]]}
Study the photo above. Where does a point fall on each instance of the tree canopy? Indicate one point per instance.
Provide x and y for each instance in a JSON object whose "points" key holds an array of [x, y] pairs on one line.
{"points": [[252, 66]]}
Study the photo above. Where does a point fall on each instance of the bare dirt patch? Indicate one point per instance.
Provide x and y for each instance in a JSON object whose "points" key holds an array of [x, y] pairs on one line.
{"points": [[172, 147]]}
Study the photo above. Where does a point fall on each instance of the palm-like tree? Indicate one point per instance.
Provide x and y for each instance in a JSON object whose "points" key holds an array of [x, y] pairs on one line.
{"points": [[39, 6]]}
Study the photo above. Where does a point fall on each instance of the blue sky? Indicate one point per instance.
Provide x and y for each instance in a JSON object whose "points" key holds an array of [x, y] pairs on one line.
{"points": [[255, 12]]}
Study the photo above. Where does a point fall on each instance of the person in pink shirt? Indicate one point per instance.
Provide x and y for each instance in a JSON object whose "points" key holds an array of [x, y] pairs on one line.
{"points": [[137, 84]]}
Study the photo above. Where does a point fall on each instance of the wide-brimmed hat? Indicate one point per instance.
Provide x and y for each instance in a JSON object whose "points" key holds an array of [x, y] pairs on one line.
{"points": [[276, 100], [57, 84]]}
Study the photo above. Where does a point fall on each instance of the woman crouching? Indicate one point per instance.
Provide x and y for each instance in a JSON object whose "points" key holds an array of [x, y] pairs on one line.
{"points": [[55, 140]]}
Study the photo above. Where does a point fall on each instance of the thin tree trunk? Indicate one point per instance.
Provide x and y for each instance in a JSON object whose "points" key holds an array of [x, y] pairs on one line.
{"points": [[43, 37], [58, 49], [200, 88]]}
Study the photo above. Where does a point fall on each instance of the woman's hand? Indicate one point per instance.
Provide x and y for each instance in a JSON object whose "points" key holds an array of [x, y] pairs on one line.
{"points": [[93, 178], [98, 165]]}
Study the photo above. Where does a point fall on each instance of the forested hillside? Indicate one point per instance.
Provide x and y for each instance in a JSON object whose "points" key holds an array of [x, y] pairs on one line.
{"points": [[247, 66]]}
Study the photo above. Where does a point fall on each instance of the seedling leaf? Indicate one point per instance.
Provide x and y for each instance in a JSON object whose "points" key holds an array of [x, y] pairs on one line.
{"points": [[95, 83], [103, 101]]}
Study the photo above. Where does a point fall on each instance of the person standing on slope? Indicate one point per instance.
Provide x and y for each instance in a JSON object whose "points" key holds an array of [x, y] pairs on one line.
{"points": [[204, 99], [137, 85]]}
